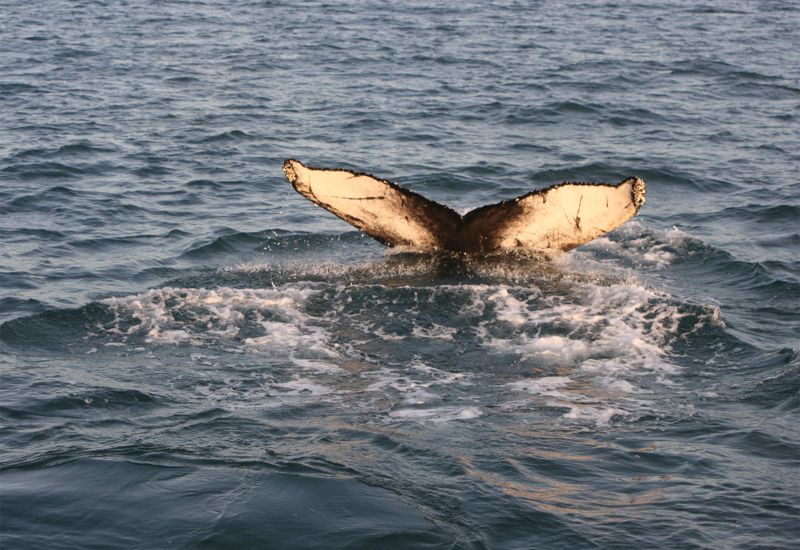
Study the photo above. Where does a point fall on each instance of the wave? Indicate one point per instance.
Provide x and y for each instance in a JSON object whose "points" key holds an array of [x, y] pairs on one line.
{"points": [[20, 306], [71, 150], [221, 137], [62, 404], [755, 213], [44, 170], [13, 88]]}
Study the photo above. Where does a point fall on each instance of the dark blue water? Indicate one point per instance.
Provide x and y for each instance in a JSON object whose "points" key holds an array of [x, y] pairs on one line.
{"points": [[193, 355]]}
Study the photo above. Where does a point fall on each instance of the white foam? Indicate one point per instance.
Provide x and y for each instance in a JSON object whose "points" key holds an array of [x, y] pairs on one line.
{"points": [[419, 396], [413, 384], [380, 333], [412, 390], [554, 349], [600, 344], [623, 386], [608, 335], [438, 414], [255, 319], [315, 366], [512, 310], [601, 416], [303, 386], [440, 376], [434, 332], [643, 246], [580, 407], [541, 386], [623, 326]]}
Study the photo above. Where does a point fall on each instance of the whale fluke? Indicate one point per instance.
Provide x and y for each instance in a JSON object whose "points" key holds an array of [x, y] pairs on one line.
{"points": [[559, 217]]}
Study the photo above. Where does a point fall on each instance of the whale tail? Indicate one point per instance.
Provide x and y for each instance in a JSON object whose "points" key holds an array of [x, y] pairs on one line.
{"points": [[559, 217]]}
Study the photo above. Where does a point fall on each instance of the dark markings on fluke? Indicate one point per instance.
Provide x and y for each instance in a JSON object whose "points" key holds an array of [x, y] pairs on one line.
{"points": [[559, 217]]}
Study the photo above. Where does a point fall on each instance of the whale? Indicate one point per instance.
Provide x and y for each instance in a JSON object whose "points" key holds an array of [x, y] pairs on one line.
{"points": [[560, 217]]}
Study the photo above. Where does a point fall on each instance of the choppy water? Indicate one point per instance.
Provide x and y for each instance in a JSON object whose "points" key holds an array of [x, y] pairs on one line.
{"points": [[194, 356]]}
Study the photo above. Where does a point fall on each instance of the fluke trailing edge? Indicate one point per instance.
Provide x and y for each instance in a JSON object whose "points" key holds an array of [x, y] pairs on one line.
{"points": [[559, 217]]}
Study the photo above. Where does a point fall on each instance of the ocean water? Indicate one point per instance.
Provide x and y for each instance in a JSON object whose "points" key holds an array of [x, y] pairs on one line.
{"points": [[194, 356]]}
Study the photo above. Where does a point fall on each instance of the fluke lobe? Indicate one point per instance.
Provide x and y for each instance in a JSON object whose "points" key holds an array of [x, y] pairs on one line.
{"points": [[559, 217]]}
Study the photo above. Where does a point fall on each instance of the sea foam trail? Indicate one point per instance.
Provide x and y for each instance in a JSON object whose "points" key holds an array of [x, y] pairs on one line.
{"points": [[592, 350], [261, 319]]}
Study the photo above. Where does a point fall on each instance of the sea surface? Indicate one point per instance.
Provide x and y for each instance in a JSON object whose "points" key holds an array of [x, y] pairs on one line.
{"points": [[194, 356]]}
